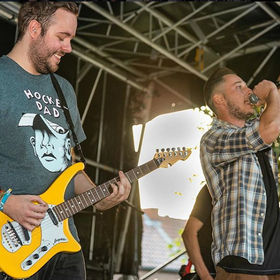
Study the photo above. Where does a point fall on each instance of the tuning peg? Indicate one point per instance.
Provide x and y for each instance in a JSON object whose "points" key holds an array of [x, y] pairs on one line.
{"points": [[168, 149], [184, 148], [178, 149], [162, 149], [157, 150], [173, 149]]}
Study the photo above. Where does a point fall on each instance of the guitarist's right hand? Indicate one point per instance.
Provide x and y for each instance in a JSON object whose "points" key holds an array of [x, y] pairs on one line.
{"points": [[28, 210]]}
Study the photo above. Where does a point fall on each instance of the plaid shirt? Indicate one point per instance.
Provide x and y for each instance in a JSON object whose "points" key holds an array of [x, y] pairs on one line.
{"points": [[234, 178]]}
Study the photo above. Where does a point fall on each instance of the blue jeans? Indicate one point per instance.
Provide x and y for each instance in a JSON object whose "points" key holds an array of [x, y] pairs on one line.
{"points": [[60, 267]]}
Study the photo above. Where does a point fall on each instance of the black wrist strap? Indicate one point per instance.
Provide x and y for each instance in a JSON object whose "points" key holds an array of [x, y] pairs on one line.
{"points": [[65, 108]]}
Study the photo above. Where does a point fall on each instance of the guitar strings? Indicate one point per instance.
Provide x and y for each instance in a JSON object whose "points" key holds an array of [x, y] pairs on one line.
{"points": [[46, 222]]}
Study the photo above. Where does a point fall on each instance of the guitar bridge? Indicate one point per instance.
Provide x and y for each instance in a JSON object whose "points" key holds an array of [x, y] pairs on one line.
{"points": [[13, 234], [13, 237]]}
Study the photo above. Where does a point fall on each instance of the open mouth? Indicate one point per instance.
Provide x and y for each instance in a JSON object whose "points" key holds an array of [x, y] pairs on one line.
{"points": [[58, 57]]}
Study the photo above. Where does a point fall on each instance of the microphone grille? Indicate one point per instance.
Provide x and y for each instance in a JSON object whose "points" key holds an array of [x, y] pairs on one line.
{"points": [[253, 99]]}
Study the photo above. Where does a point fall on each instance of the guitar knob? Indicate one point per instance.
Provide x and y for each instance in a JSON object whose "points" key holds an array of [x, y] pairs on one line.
{"points": [[44, 249], [36, 256], [29, 262]]}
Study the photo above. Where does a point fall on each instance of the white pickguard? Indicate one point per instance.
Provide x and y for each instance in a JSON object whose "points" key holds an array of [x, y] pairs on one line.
{"points": [[51, 235]]}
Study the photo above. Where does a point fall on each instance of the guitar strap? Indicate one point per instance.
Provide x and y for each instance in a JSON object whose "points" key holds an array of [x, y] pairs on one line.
{"points": [[65, 108]]}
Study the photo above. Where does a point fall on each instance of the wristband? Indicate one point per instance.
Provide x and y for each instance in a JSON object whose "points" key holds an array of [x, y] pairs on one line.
{"points": [[1, 194], [4, 199]]}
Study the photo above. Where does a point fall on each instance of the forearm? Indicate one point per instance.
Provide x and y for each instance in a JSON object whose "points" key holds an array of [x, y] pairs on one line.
{"points": [[191, 243], [270, 119], [194, 253], [83, 183]]}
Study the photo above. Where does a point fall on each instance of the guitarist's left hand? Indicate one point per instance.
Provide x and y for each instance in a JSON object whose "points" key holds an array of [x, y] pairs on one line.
{"points": [[120, 193]]}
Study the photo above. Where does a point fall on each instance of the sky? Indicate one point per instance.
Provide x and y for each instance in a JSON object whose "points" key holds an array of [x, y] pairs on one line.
{"points": [[173, 190]]}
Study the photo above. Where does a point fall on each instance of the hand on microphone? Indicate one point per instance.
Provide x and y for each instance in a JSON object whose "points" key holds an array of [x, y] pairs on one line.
{"points": [[253, 99], [262, 89]]}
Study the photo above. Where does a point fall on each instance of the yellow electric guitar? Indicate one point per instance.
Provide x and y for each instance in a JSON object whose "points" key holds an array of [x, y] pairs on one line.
{"points": [[23, 253]]}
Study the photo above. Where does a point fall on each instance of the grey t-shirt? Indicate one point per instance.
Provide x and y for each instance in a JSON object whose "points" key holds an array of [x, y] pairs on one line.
{"points": [[35, 140]]}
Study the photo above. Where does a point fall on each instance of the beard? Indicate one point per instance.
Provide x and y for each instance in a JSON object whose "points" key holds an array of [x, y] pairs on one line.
{"points": [[236, 112], [40, 56]]}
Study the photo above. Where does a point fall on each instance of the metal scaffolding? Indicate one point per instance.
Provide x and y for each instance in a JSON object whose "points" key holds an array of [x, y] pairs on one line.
{"points": [[138, 42]]}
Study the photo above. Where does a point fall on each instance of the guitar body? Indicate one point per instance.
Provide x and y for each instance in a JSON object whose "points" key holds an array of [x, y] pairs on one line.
{"points": [[39, 246], [23, 253]]}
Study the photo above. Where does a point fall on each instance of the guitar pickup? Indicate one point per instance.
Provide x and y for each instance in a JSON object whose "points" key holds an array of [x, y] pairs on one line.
{"points": [[25, 233], [52, 216]]}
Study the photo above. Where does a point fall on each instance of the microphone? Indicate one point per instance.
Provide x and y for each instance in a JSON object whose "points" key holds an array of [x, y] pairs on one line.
{"points": [[254, 98]]}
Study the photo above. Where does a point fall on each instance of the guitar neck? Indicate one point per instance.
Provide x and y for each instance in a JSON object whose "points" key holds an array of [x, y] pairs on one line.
{"points": [[96, 194]]}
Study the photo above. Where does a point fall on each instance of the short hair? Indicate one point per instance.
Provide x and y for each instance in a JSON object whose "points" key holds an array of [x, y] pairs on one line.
{"points": [[215, 79], [42, 12]]}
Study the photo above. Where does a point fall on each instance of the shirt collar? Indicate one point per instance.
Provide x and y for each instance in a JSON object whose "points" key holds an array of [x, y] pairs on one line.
{"points": [[220, 123]]}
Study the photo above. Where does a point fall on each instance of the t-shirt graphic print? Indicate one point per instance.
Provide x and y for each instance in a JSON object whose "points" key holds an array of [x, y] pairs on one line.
{"points": [[50, 141]]}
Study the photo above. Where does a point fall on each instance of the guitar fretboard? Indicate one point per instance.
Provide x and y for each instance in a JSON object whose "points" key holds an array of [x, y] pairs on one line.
{"points": [[76, 204]]}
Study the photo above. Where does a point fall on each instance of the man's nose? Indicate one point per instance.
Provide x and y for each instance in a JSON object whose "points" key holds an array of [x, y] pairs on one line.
{"points": [[248, 91], [67, 48], [49, 148]]}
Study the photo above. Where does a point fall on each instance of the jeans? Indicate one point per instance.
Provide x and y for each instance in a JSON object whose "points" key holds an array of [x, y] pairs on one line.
{"points": [[70, 266]]}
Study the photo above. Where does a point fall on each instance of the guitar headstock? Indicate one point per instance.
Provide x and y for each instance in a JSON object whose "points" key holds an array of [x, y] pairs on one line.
{"points": [[167, 157]]}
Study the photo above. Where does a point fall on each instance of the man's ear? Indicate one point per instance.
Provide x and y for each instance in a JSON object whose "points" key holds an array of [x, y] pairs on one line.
{"points": [[218, 99], [33, 142], [68, 148], [34, 29]]}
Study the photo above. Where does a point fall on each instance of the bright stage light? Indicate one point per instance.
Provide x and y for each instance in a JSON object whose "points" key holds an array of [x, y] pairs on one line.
{"points": [[136, 130], [173, 190]]}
